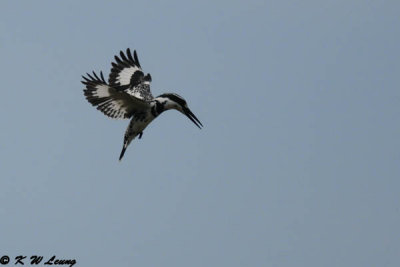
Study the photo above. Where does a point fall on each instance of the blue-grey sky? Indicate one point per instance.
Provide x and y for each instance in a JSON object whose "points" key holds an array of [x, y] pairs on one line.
{"points": [[297, 164]]}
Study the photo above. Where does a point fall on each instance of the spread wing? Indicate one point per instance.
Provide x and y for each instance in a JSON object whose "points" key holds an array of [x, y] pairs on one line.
{"points": [[127, 76], [113, 103]]}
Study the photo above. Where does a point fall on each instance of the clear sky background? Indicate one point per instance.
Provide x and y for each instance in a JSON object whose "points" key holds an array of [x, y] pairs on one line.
{"points": [[297, 164]]}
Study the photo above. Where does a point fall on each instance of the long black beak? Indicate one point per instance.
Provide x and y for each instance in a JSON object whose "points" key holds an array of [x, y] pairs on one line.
{"points": [[192, 117]]}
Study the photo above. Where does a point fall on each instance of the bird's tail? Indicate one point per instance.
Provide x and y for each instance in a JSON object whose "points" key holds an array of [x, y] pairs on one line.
{"points": [[123, 151]]}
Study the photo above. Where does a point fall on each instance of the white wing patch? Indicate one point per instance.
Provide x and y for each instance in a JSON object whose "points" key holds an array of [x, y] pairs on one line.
{"points": [[124, 76], [102, 90]]}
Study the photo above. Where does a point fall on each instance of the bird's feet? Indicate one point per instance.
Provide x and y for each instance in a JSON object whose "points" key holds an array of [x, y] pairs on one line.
{"points": [[140, 135]]}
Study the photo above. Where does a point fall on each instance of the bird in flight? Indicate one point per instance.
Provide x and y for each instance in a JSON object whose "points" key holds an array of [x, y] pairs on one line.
{"points": [[127, 95]]}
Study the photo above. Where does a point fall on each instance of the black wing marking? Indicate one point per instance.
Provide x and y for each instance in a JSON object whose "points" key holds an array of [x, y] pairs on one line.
{"points": [[127, 75], [113, 103]]}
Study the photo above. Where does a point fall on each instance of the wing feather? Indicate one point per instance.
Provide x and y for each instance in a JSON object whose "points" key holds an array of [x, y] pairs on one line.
{"points": [[113, 103], [127, 75]]}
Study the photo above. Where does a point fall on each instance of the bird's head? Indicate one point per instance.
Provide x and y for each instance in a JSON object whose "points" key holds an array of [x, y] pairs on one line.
{"points": [[174, 101]]}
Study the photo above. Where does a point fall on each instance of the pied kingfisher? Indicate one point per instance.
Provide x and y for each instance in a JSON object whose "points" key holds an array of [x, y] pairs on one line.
{"points": [[127, 95]]}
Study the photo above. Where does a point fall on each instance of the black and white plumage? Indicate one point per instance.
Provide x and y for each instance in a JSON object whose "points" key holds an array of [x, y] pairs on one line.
{"points": [[127, 95]]}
